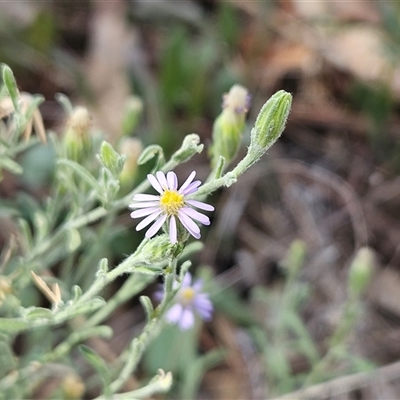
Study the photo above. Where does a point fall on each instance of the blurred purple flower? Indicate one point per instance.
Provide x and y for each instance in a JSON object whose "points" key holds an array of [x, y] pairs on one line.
{"points": [[189, 300], [170, 204]]}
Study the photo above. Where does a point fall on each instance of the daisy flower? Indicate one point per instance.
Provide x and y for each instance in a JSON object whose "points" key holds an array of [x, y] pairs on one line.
{"points": [[171, 206], [189, 301]]}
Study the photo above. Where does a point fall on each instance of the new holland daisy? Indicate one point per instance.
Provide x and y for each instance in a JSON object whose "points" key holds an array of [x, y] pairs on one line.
{"points": [[171, 205]]}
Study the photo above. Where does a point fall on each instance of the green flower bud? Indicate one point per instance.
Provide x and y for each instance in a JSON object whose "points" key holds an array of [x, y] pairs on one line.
{"points": [[229, 125], [361, 270], [77, 140], [156, 249], [110, 159], [270, 122]]}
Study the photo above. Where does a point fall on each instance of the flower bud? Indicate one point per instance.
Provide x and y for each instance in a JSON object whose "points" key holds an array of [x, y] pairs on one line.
{"points": [[361, 270], [156, 249], [110, 159], [77, 140], [229, 125], [271, 121], [131, 148]]}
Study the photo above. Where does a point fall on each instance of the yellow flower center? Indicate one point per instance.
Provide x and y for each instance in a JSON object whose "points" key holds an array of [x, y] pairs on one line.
{"points": [[187, 295], [171, 201]]}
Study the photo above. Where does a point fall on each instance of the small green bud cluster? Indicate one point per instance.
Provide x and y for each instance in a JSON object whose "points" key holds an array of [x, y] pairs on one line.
{"points": [[270, 122], [77, 139], [111, 160], [229, 125]]}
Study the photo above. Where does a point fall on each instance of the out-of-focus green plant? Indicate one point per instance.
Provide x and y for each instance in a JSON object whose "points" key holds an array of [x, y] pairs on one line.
{"points": [[60, 249], [275, 323], [283, 333]]}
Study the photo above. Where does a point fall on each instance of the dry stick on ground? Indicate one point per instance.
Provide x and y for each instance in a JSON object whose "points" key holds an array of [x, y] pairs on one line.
{"points": [[339, 186], [346, 384]]}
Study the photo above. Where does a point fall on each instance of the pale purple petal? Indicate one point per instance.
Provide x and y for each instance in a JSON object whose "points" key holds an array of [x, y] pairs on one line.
{"points": [[161, 178], [187, 319], [144, 205], [145, 197], [198, 285], [196, 215], [187, 182], [205, 315], [203, 306], [192, 188], [201, 205], [172, 180], [172, 230], [174, 314], [143, 212], [159, 294], [142, 224], [187, 280], [155, 227], [154, 182], [192, 228]]}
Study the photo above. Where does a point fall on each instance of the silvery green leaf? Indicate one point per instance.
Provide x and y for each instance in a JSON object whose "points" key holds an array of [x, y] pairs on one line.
{"points": [[147, 306], [190, 146], [77, 293], [7, 358], [149, 153], [65, 103], [77, 309], [103, 267], [36, 100], [99, 365], [148, 270], [10, 165], [41, 226], [38, 313], [73, 240], [219, 169], [11, 85], [82, 172], [13, 325]]}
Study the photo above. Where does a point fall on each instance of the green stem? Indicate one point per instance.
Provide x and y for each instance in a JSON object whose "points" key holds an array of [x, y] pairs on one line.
{"points": [[229, 178], [102, 280], [338, 338], [139, 344]]}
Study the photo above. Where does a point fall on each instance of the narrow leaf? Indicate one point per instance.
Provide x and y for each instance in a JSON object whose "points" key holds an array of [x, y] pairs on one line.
{"points": [[82, 172], [11, 85], [99, 365]]}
